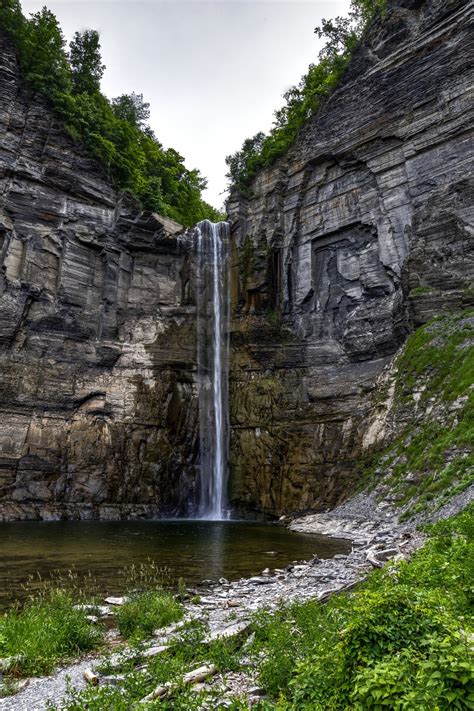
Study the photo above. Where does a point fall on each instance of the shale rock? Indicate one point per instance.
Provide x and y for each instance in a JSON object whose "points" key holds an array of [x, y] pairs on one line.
{"points": [[98, 413], [360, 233]]}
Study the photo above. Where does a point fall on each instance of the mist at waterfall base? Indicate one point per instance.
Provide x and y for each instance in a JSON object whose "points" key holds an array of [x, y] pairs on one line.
{"points": [[213, 310]]}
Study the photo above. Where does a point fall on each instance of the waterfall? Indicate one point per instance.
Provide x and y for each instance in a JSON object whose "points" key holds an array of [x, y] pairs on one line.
{"points": [[212, 301]]}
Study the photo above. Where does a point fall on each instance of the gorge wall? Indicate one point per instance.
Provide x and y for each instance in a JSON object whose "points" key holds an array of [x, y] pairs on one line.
{"points": [[361, 233], [98, 409]]}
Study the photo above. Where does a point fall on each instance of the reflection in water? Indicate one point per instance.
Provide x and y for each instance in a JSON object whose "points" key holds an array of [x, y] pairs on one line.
{"points": [[217, 546], [193, 550]]}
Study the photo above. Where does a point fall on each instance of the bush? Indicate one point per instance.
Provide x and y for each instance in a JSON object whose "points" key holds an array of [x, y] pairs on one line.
{"points": [[401, 640]]}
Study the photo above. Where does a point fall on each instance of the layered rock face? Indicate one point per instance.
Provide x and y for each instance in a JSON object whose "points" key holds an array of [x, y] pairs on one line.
{"points": [[98, 411], [363, 231], [360, 234]]}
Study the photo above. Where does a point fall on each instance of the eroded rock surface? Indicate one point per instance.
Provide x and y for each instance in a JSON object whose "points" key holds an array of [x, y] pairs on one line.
{"points": [[98, 404], [362, 232]]}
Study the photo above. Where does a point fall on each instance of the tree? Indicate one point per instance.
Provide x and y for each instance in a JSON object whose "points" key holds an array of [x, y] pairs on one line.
{"points": [[42, 53], [116, 133], [243, 162], [342, 35], [86, 62], [132, 108], [11, 18]]}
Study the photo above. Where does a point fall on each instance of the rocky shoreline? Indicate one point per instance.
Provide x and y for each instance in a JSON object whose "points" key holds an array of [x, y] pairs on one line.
{"points": [[226, 607]]}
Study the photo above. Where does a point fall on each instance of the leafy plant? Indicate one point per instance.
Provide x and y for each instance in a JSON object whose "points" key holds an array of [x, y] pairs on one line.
{"points": [[47, 630]]}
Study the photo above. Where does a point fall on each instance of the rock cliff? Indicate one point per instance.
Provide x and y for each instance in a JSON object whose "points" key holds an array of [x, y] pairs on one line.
{"points": [[361, 233], [97, 407]]}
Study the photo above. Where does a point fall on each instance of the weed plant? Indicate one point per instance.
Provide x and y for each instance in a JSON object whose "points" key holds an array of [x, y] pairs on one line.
{"points": [[47, 630], [146, 611]]}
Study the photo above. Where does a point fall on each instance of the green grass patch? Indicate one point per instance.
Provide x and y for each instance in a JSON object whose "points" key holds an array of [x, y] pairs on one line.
{"points": [[46, 631], [146, 611], [432, 460]]}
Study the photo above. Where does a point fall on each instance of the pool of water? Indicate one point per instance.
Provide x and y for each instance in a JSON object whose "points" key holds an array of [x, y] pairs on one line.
{"points": [[193, 550]]}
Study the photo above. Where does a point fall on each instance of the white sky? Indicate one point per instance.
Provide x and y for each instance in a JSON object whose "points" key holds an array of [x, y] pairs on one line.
{"points": [[213, 70]]}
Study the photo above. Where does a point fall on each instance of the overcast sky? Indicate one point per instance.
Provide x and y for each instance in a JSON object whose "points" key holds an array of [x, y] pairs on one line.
{"points": [[213, 70]]}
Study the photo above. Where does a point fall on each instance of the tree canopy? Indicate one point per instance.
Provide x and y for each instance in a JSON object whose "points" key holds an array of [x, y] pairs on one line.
{"points": [[116, 131], [86, 62], [342, 36]]}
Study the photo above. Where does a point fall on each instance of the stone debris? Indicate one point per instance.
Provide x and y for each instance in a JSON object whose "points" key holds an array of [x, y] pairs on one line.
{"points": [[116, 600], [193, 677], [95, 610], [91, 677], [155, 651], [234, 630]]}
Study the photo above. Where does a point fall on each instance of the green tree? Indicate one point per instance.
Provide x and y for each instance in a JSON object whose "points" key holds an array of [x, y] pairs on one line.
{"points": [[86, 62], [115, 133], [11, 17], [42, 53], [132, 108], [342, 36]]}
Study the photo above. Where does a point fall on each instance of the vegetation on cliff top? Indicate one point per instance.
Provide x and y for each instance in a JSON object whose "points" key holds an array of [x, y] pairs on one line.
{"points": [[342, 35], [115, 132]]}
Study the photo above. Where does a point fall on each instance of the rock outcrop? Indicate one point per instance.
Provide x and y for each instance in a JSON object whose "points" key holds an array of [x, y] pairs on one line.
{"points": [[362, 232], [98, 405]]}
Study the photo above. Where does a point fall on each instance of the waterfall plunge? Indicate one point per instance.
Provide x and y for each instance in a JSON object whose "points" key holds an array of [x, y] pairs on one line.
{"points": [[212, 301]]}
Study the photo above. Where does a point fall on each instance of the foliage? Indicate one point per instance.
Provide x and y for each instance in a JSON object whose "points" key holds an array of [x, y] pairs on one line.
{"points": [[132, 108], [342, 36], [146, 611], [432, 460], [400, 641], [86, 62], [114, 132], [47, 630]]}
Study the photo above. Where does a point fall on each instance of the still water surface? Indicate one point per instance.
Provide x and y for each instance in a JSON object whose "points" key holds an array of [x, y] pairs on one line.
{"points": [[193, 550]]}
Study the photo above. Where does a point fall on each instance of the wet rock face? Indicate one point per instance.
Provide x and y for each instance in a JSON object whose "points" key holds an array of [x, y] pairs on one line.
{"points": [[363, 231], [98, 400]]}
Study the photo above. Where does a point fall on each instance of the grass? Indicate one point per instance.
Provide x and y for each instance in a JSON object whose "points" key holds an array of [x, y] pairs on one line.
{"points": [[46, 631], [146, 611], [49, 628], [400, 640], [432, 459]]}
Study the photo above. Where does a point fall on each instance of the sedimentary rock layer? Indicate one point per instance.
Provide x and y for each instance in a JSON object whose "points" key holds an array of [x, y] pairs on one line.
{"points": [[97, 405], [363, 231]]}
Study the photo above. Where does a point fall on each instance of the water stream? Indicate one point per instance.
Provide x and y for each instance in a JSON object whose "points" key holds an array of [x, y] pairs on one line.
{"points": [[212, 301]]}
